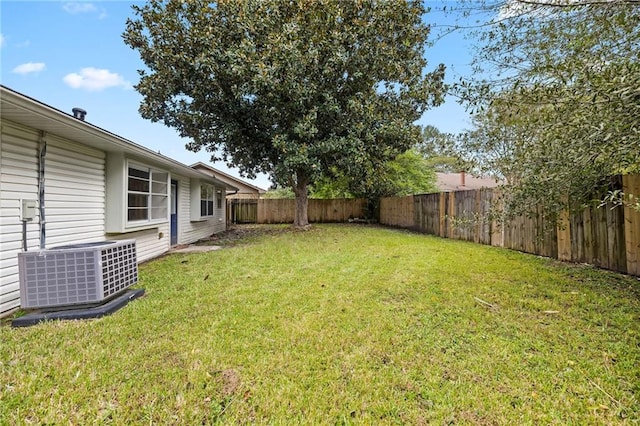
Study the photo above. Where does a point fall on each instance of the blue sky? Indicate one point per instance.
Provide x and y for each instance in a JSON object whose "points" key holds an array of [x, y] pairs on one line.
{"points": [[71, 54]]}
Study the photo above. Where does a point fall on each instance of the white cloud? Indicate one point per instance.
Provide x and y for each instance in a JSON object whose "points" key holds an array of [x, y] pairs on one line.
{"points": [[76, 7], [95, 79], [29, 67], [2, 40]]}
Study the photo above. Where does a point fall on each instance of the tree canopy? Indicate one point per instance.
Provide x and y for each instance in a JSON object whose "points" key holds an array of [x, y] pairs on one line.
{"points": [[291, 89], [556, 97], [409, 173], [442, 151]]}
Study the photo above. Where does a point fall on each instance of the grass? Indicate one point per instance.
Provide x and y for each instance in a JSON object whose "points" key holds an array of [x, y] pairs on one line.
{"points": [[340, 325]]}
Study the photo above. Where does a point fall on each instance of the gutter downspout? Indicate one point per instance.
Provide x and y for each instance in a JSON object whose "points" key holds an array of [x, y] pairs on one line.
{"points": [[41, 180], [24, 235]]}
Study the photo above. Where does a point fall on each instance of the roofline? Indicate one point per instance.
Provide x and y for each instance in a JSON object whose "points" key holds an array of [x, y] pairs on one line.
{"points": [[47, 112], [213, 169]]}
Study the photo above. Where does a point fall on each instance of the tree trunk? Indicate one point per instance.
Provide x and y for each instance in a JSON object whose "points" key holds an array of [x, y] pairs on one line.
{"points": [[302, 200]]}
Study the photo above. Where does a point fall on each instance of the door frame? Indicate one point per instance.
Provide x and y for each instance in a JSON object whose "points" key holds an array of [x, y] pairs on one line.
{"points": [[173, 214]]}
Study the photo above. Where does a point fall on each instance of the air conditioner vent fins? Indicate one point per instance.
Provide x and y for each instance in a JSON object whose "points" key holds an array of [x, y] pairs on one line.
{"points": [[76, 274]]}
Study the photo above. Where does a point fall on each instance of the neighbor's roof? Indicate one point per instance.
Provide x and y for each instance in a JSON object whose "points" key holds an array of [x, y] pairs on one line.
{"points": [[30, 112], [447, 182], [224, 176]]}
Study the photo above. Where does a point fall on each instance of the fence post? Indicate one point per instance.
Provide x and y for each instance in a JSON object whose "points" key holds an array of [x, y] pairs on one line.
{"points": [[564, 236], [631, 185], [261, 211], [497, 225], [478, 217], [442, 213], [453, 214]]}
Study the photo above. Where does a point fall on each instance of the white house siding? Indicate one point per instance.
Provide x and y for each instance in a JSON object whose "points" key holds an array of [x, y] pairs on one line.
{"points": [[190, 231], [18, 181], [74, 193], [150, 243], [219, 223], [75, 203]]}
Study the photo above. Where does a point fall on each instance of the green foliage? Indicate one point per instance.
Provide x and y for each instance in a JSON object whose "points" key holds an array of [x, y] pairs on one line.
{"points": [[290, 89], [279, 192], [409, 173], [495, 148], [557, 98], [336, 186], [443, 151]]}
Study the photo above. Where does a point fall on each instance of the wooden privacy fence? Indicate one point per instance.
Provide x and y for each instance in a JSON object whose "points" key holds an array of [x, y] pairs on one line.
{"points": [[319, 211], [608, 237], [242, 210]]}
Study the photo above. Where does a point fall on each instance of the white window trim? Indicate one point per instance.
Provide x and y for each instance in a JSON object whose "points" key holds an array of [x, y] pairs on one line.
{"points": [[151, 203], [196, 201], [209, 198], [219, 199]]}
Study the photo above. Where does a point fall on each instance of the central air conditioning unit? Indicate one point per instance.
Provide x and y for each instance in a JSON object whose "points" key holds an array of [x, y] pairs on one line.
{"points": [[76, 274]]}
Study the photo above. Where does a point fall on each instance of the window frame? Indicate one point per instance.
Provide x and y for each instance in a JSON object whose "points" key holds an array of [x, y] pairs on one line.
{"points": [[207, 194], [150, 189], [219, 198]]}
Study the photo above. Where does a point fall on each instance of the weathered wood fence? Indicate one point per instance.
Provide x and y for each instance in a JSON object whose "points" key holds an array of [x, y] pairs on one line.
{"points": [[242, 210], [608, 237], [319, 211]]}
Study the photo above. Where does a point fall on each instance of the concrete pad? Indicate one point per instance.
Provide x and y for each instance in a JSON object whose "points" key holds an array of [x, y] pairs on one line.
{"points": [[79, 312]]}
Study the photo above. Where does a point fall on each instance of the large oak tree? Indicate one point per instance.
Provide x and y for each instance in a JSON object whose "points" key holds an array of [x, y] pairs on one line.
{"points": [[293, 89]]}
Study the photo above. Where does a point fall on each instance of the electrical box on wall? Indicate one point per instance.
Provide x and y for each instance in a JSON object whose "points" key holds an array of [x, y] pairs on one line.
{"points": [[28, 210]]}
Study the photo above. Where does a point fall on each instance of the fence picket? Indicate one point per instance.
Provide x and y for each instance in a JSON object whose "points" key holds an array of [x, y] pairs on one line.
{"points": [[272, 210]]}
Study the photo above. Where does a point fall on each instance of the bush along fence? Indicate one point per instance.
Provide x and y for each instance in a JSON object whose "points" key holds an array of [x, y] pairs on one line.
{"points": [[607, 237]]}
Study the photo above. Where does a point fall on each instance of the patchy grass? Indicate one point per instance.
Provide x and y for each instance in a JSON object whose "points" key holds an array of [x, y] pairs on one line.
{"points": [[245, 234], [341, 325]]}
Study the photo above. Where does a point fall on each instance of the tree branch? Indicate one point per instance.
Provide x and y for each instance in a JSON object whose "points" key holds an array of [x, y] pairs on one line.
{"points": [[569, 3]]}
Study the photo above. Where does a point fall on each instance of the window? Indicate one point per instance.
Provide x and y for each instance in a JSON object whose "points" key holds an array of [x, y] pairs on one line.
{"points": [[219, 198], [206, 200], [147, 194]]}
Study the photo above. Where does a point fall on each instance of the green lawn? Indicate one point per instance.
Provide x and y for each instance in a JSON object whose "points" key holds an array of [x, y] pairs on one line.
{"points": [[340, 325]]}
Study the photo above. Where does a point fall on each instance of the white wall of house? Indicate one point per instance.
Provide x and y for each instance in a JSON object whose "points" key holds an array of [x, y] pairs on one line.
{"points": [[74, 193], [75, 203], [154, 242], [18, 181], [192, 230], [150, 243]]}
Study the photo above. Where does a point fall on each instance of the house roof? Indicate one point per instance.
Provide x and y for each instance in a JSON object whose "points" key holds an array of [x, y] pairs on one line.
{"points": [[30, 112], [227, 177], [447, 182]]}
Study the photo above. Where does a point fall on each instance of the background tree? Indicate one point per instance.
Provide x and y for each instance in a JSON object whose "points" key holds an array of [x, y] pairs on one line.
{"points": [[500, 143], [291, 89], [557, 91], [279, 192], [409, 173], [443, 151], [334, 186]]}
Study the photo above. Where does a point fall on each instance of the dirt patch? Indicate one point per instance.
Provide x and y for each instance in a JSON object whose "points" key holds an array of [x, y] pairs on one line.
{"points": [[230, 382], [244, 234]]}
